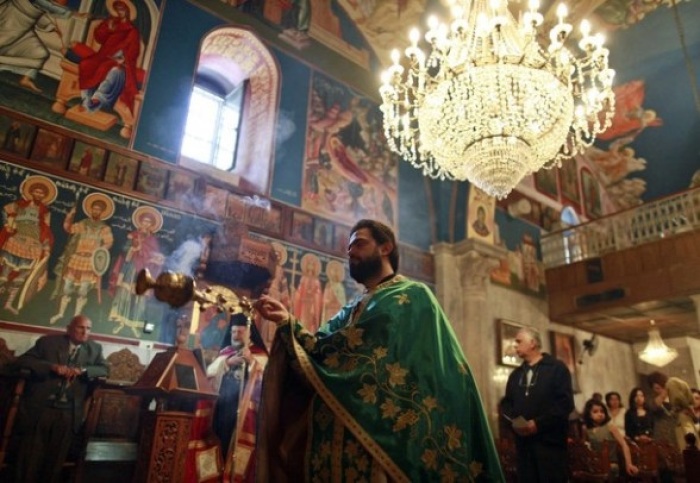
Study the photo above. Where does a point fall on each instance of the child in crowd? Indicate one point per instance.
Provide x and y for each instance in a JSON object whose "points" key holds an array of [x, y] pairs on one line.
{"points": [[600, 431]]}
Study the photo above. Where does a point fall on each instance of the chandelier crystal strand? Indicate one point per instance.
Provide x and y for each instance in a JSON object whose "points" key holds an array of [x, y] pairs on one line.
{"points": [[489, 104]]}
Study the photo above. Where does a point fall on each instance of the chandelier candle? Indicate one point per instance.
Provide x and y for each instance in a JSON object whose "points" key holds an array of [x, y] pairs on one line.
{"points": [[489, 104]]}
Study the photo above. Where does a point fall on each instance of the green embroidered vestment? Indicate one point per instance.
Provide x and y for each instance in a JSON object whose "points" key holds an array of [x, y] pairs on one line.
{"points": [[392, 389]]}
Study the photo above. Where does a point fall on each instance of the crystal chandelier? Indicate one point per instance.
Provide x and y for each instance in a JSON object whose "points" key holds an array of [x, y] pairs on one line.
{"points": [[657, 353], [489, 104]]}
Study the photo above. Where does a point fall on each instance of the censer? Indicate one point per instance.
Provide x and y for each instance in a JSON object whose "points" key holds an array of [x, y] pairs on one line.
{"points": [[177, 371], [177, 289]]}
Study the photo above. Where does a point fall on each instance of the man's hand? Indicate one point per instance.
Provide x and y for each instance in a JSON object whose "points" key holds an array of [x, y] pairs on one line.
{"points": [[271, 309], [67, 372], [526, 430]]}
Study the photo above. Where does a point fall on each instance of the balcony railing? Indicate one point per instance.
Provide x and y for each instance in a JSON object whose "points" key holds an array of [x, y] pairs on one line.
{"points": [[643, 224]]}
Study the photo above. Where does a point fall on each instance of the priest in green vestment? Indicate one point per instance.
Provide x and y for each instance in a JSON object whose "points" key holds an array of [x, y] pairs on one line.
{"points": [[382, 392]]}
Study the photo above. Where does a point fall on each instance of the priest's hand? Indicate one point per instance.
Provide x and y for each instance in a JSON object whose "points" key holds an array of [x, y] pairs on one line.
{"points": [[271, 309]]}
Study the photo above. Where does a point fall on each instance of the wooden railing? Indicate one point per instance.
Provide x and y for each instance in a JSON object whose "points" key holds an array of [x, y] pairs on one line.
{"points": [[643, 224]]}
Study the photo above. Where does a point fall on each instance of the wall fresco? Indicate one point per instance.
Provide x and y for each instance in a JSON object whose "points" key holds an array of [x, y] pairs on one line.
{"points": [[68, 248], [84, 68], [349, 172]]}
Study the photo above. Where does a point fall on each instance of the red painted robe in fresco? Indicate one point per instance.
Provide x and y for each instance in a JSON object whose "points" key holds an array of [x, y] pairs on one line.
{"points": [[94, 66]]}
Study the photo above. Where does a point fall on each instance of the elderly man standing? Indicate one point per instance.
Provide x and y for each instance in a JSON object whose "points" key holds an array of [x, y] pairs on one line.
{"points": [[52, 408], [538, 401]]}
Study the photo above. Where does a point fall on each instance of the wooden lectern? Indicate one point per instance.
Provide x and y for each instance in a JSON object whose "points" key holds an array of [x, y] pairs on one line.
{"points": [[174, 378]]}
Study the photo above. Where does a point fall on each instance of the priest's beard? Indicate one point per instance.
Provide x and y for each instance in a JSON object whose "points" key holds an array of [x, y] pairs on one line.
{"points": [[362, 270]]}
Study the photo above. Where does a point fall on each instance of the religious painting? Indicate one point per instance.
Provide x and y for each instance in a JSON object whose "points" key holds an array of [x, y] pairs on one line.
{"points": [[507, 330], [518, 205], [142, 251], [549, 218], [480, 215], [264, 215], [307, 298], [87, 160], [521, 206], [236, 207], [51, 148], [520, 269], [86, 258], [591, 194], [563, 347], [255, 211], [349, 172], [341, 237], [121, 171], [28, 248], [303, 227], [323, 234], [546, 182], [214, 203], [325, 26], [180, 187], [77, 234], [70, 67], [152, 180], [568, 180], [312, 284], [16, 136]]}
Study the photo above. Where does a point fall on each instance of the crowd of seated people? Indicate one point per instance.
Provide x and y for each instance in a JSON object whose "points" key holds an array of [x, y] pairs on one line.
{"points": [[668, 418], [665, 421]]}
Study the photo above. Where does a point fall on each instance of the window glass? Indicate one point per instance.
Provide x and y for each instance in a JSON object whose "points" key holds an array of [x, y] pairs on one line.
{"points": [[211, 132]]}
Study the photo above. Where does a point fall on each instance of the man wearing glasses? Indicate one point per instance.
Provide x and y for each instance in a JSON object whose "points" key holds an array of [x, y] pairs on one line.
{"points": [[538, 401]]}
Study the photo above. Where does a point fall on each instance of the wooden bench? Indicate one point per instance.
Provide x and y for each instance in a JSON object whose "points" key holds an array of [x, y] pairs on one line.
{"points": [[587, 464]]}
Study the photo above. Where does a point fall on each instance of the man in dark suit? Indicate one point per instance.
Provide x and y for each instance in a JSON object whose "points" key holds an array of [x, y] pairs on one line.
{"points": [[52, 408], [538, 401]]}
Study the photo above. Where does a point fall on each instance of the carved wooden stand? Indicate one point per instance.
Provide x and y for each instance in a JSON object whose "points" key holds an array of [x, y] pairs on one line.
{"points": [[163, 449]]}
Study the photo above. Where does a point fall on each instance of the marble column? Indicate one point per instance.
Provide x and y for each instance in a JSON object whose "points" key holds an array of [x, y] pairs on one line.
{"points": [[462, 277]]}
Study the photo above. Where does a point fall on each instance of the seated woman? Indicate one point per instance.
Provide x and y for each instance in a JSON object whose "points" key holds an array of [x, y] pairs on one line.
{"points": [[639, 422], [613, 401], [600, 431]]}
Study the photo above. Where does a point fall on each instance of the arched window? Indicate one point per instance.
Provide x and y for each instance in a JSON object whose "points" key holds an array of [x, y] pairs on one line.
{"points": [[233, 108]]}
